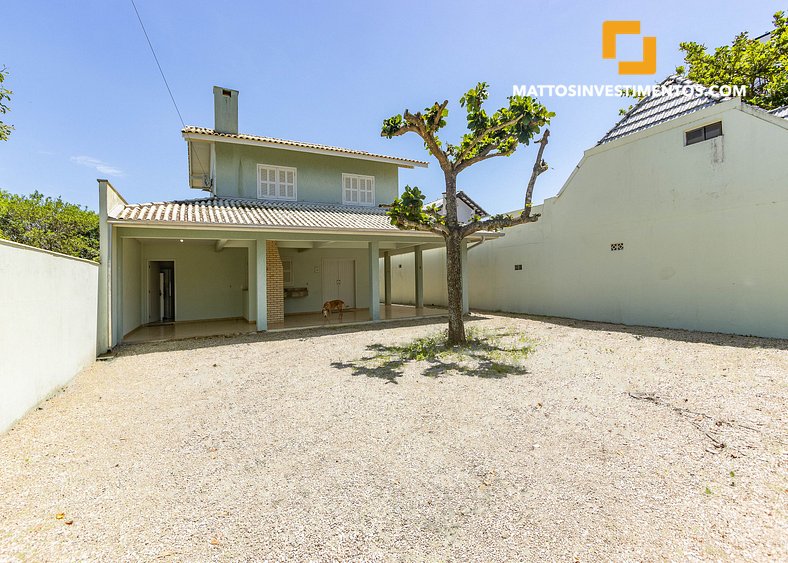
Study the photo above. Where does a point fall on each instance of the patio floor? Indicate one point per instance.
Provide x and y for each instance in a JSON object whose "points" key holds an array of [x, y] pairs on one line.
{"points": [[191, 329]]}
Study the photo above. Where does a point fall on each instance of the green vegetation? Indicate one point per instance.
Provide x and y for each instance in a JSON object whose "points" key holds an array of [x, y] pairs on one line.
{"points": [[488, 353], [51, 224], [759, 64], [5, 94]]}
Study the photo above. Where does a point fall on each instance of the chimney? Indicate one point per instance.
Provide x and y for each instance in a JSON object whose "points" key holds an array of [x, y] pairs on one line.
{"points": [[225, 109]]}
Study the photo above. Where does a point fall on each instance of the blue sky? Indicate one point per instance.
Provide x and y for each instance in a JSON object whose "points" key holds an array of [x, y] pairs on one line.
{"points": [[89, 102]]}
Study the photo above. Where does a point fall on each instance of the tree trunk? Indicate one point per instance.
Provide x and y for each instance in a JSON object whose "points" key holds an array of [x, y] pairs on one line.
{"points": [[454, 286]]}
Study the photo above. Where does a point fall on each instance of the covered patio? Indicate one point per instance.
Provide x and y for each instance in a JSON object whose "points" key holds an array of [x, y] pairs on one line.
{"points": [[229, 327], [219, 266]]}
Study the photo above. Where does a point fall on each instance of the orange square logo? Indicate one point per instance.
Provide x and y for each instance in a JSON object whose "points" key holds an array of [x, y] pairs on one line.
{"points": [[611, 29]]}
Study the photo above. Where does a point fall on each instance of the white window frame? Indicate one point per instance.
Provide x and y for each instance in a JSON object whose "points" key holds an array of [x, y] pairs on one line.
{"points": [[358, 177], [287, 282], [278, 169]]}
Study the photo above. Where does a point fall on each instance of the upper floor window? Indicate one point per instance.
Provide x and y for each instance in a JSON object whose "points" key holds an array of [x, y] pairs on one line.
{"points": [[276, 182], [703, 133], [358, 190]]}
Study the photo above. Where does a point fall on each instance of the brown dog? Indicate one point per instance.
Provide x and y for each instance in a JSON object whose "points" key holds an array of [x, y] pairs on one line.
{"points": [[335, 305]]}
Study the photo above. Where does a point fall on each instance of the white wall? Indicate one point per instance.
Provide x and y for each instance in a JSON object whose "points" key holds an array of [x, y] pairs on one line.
{"points": [[47, 325], [704, 229]]}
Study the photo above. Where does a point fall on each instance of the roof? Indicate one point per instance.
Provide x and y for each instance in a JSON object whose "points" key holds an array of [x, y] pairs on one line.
{"points": [[190, 131], [222, 211], [653, 110], [780, 112], [465, 198]]}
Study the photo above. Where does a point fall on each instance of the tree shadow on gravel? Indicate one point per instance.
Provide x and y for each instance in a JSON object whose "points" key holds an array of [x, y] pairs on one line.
{"points": [[488, 355]]}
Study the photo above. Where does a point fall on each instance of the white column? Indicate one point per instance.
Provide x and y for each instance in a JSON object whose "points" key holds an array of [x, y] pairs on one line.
{"points": [[465, 288], [374, 281], [116, 288], [103, 334], [251, 283], [418, 264], [262, 286], [387, 277]]}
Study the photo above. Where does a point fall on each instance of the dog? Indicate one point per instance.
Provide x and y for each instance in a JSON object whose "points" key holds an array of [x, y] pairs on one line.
{"points": [[335, 305]]}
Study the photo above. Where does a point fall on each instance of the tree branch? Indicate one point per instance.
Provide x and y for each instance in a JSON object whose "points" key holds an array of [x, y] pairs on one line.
{"points": [[416, 120], [486, 132], [407, 224], [499, 222], [484, 155], [539, 166]]}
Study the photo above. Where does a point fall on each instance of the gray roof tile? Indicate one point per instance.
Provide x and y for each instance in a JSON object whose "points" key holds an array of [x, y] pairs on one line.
{"points": [[290, 215], [653, 110], [780, 112], [408, 162]]}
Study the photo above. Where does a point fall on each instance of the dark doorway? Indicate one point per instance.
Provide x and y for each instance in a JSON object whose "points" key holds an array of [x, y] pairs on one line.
{"points": [[161, 291]]}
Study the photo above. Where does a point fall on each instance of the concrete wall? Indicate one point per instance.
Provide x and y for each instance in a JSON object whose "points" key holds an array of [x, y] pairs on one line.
{"points": [[48, 310], [319, 177], [704, 229], [307, 272]]}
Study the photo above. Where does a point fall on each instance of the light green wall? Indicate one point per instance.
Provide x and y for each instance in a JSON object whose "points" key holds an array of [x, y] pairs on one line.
{"points": [[308, 272], [319, 177], [208, 284], [132, 285]]}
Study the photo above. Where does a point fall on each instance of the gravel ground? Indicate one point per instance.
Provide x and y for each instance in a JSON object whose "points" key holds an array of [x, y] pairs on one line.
{"points": [[607, 446]]}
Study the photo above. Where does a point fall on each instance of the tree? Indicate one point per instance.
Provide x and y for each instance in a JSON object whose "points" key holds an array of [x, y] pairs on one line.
{"points": [[488, 136], [51, 224], [760, 64], [5, 94]]}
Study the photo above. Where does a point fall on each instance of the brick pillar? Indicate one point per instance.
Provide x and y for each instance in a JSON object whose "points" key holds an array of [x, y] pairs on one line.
{"points": [[275, 283]]}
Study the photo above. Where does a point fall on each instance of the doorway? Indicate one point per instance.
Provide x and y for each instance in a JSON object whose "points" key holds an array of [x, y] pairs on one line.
{"points": [[161, 291], [339, 280]]}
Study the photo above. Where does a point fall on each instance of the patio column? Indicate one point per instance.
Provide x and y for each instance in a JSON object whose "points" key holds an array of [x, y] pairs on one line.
{"points": [[261, 285], [465, 288], [251, 283], [387, 277], [374, 280], [418, 264]]}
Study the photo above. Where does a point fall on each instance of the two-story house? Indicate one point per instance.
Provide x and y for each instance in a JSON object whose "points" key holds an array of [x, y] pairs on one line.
{"points": [[283, 227]]}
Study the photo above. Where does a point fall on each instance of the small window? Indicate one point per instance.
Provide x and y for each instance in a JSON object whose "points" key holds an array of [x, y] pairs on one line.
{"points": [[358, 190], [287, 271], [276, 182], [703, 133], [518, 267]]}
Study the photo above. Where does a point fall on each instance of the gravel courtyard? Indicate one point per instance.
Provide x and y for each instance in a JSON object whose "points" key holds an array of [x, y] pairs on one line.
{"points": [[612, 443]]}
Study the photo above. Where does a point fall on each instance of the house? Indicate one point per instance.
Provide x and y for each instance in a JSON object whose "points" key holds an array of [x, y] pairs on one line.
{"points": [[677, 218], [467, 209], [281, 227]]}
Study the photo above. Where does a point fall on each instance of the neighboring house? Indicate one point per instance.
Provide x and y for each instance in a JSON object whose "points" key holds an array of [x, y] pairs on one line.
{"points": [[677, 218], [466, 207], [284, 227]]}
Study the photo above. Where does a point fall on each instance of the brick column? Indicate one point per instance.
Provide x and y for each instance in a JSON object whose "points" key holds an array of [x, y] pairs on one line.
{"points": [[275, 288]]}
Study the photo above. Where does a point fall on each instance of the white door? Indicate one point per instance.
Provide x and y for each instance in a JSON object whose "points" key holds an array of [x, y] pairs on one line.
{"points": [[339, 280]]}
